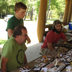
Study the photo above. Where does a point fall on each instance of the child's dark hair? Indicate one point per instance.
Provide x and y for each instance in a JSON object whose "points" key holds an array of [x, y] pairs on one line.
{"points": [[19, 5]]}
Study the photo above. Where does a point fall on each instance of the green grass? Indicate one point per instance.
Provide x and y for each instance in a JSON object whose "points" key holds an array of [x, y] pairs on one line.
{"points": [[2, 42]]}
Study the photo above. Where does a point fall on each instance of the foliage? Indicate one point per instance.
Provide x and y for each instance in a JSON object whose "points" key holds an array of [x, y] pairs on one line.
{"points": [[7, 6], [3, 5], [37, 4], [57, 7], [2, 42], [12, 2]]}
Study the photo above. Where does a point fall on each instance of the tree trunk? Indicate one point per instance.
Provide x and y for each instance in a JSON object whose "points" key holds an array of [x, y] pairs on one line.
{"points": [[26, 12], [1, 14], [48, 10], [31, 15], [50, 14], [5, 11], [60, 16]]}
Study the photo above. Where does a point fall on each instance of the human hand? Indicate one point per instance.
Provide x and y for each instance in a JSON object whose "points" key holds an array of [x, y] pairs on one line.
{"points": [[28, 40]]}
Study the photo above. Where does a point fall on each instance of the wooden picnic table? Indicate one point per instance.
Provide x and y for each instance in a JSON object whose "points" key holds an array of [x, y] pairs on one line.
{"points": [[33, 63]]}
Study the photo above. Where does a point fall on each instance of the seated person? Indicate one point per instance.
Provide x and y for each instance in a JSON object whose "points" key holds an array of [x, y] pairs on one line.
{"points": [[52, 38], [13, 52]]}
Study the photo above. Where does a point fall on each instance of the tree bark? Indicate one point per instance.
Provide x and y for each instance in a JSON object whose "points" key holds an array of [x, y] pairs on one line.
{"points": [[48, 10]]}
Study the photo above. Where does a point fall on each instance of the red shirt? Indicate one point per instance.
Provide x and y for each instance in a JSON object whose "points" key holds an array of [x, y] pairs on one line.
{"points": [[53, 38]]}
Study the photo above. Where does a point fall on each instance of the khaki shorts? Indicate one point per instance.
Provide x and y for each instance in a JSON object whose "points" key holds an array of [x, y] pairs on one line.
{"points": [[46, 51]]}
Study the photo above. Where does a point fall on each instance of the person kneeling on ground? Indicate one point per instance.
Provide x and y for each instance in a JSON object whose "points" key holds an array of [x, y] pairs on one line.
{"points": [[13, 52], [52, 38]]}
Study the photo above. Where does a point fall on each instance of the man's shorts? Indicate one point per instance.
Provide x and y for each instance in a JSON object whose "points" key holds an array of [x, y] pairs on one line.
{"points": [[46, 51]]}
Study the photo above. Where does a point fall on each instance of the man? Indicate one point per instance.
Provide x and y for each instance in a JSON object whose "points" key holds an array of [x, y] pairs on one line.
{"points": [[17, 19], [53, 37], [13, 52]]}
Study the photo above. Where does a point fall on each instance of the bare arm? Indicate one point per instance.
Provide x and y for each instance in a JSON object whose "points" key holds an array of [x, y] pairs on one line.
{"points": [[65, 40], [25, 59], [50, 47], [28, 39], [10, 32], [3, 64]]}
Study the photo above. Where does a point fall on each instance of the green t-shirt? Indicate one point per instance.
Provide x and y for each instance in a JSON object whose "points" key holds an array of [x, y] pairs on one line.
{"points": [[13, 22], [15, 53]]}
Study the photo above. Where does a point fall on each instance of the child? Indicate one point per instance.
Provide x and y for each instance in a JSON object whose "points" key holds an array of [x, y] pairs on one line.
{"points": [[17, 19]]}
